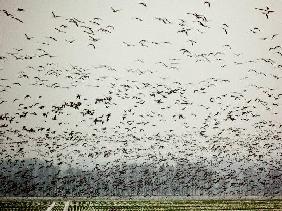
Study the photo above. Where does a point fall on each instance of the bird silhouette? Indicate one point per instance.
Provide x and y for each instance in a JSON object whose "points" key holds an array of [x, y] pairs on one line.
{"points": [[115, 10]]}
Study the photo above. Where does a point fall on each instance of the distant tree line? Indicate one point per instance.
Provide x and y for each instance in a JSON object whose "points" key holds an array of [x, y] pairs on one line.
{"points": [[41, 178]]}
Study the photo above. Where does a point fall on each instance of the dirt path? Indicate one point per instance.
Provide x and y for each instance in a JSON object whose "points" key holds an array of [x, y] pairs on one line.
{"points": [[67, 203], [51, 206]]}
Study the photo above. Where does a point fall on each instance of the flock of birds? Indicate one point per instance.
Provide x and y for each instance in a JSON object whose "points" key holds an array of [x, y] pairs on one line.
{"points": [[95, 93]]}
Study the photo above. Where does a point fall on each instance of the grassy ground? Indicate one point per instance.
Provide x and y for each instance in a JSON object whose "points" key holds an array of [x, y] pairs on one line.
{"points": [[115, 204]]}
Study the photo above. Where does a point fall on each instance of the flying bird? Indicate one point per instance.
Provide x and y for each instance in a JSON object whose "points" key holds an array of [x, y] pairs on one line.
{"points": [[143, 4], [115, 10], [207, 3], [265, 11], [54, 15], [28, 37]]}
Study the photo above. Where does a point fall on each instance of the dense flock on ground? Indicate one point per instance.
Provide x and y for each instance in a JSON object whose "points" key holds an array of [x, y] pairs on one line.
{"points": [[118, 98]]}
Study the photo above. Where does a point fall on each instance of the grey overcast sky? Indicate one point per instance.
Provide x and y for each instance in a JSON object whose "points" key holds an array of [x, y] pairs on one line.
{"points": [[107, 81]]}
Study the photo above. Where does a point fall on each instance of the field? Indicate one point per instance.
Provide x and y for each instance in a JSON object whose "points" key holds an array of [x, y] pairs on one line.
{"points": [[103, 204]]}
